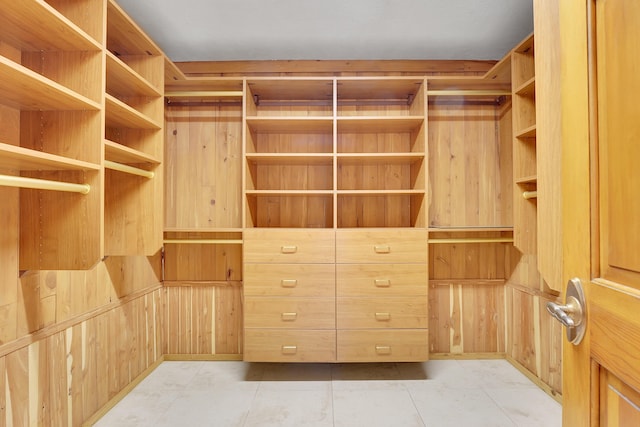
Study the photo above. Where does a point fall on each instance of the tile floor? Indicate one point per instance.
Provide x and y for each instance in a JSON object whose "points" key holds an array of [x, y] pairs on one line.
{"points": [[438, 393]]}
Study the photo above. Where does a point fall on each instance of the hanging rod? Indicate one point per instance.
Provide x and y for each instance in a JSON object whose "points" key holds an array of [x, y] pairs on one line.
{"points": [[473, 240], [127, 169], [206, 241], [43, 184], [530, 194], [204, 94], [469, 92]]}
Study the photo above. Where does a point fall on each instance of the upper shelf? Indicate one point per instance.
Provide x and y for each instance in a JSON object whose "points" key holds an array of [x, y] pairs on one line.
{"points": [[23, 159], [125, 37], [119, 114], [279, 124], [25, 89], [377, 124], [123, 154], [33, 25], [123, 80]]}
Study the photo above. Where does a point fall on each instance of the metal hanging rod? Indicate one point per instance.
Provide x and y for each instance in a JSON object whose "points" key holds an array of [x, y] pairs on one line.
{"points": [[468, 92], [204, 94], [205, 241], [530, 194], [43, 184], [473, 240], [128, 169]]}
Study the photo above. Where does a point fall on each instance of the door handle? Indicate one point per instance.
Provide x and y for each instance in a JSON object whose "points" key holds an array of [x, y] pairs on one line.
{"points": [[573, 314]]}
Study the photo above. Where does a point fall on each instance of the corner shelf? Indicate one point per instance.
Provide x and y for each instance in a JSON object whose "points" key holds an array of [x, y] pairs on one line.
{"points": [[123, 154], [119, 114]]}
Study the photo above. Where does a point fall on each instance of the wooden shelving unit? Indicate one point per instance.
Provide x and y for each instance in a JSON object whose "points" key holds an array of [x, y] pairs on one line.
{"points": [[134, 121], [524, 146], [51, 97]]}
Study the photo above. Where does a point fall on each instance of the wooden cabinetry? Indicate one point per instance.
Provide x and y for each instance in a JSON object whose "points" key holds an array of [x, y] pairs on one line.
{"points": [[54, 107], [324, 156], [524, 147], [134, 117], [50, 106], [381, 295], [289, 295]]}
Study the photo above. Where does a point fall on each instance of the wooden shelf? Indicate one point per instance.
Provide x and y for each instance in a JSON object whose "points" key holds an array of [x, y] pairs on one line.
{"points": [[119, 114], [290, 158], [23, 159], [274, 90], [123, 80], [27, 90], [32, 25], [202, 230], [527, 88], [290, 124], [125, 37], [380, 89], [378, 124], [379, 158], [123, 154], [529, 132], [532, 179]]}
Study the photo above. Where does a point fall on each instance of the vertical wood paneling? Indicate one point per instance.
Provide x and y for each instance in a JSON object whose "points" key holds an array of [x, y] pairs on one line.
{"points": [[203, 319]]}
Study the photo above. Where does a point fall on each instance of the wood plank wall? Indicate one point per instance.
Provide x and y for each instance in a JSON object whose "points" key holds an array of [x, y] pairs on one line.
{"points": [[71, 340]]}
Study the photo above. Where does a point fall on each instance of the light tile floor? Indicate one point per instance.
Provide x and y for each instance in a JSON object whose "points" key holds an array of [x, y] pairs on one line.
{"points": [[438, 393]]}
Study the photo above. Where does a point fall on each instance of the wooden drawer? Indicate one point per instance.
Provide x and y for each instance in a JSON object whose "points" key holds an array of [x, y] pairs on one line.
{"points": [[289, 246], [383, 313], [276, 345], [382, 246], [383, 345], [381, 280], [289, 313], [300, 280]]}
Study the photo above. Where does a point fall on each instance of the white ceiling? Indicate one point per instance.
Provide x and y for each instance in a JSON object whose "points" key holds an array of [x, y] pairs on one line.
{"points": [[230, 30]]}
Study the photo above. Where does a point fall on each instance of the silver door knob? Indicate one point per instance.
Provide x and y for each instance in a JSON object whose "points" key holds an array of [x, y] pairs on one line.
{"points": [[572, 314]]}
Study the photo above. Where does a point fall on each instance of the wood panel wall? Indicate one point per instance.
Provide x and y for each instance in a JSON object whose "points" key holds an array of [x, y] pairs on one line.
{"points": [[72, 340], [534, 338]]}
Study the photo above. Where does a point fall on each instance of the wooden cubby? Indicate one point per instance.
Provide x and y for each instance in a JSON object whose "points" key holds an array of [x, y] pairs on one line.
{"points": [[335, 153], [51, 113], [133, 136], [524, 146]]}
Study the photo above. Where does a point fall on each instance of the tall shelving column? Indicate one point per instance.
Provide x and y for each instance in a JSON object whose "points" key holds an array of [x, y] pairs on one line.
{"points": [[50, 106], [524, 147], [289, 237], [134, 115]]}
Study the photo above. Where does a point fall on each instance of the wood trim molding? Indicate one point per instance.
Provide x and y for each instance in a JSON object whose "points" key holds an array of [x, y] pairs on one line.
{"points": [[46, 332], [337, 67]]}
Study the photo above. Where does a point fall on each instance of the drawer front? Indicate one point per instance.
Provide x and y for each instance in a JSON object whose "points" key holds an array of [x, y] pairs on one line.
{"points": [[381, 246], [383, 346], [382, 313], [289, 246], [275, 345], [289, 313], [381, 280], [300, 280]]}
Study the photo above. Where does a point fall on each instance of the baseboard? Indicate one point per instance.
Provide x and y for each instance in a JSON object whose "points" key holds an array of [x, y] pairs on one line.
{"points": [[466, 356], [122, 393], [205, 357]]}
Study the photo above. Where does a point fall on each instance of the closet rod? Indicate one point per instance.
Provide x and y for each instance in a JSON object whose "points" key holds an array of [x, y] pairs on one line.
{"points": [[206, 241], [204, 94], [473, 240], [468, 92], [127, 169], [43, 184], [530, 194]]}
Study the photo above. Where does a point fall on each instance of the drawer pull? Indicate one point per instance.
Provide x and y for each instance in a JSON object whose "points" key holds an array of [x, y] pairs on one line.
{"points": [[382, 249], [382, 283], [288, 283], [289, 317], [289, 249], [383, 349], [383, 316], [289, 349]]}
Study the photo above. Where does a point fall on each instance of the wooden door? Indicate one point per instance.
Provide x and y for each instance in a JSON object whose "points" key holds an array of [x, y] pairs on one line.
{"points": [[600, 89]]}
